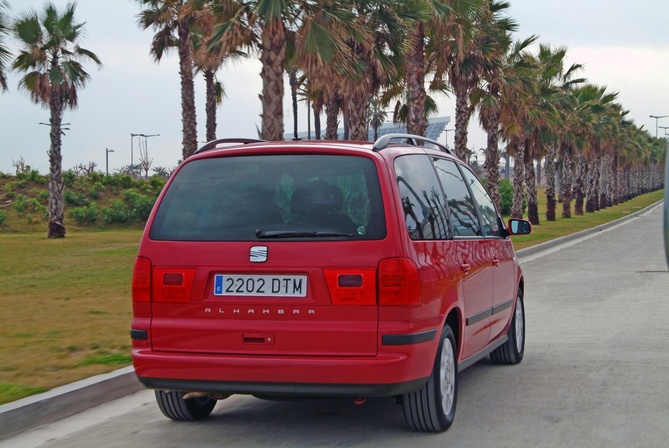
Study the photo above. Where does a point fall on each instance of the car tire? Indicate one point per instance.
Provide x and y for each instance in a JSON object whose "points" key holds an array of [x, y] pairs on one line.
{"points": [[173, 406], [432, 408], [512, 351]]}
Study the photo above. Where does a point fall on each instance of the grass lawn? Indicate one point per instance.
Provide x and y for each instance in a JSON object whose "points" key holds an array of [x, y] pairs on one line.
{"points": [[66, 306]]}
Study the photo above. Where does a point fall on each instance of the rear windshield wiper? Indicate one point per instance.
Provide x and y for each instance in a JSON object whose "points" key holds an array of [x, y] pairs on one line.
{"points": [[297, 234]]}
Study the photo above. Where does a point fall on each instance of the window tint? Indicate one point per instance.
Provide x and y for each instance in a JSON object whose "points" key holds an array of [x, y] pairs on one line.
{"points": [[491, 225], [462, 207], [232, 198], [422, 198]]}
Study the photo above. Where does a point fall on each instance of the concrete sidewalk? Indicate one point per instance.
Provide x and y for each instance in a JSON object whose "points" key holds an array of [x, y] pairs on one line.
{"points": [[65, 401]]}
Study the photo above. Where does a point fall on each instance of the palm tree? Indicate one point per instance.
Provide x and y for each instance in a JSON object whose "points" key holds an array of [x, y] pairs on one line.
{"points": [[503, 91], [209, 58], [377, 116], [464, 49], [173, 21], [5, 55], [50, 59]]}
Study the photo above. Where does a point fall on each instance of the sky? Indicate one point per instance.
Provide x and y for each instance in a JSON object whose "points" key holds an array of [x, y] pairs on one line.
{"points": [[623, 45]]}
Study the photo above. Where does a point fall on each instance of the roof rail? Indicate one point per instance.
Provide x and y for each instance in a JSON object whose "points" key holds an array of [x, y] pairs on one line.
{"points": [[411, 139], [214, 143]]}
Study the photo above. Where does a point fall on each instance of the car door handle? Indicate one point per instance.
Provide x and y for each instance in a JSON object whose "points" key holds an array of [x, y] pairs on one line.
{"points": [[466, 267]]}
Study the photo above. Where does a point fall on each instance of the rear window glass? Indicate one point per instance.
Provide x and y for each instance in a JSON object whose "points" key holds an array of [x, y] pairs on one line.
{"points": [[258, 197]]}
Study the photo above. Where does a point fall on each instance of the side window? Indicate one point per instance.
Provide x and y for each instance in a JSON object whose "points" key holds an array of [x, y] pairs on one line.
{"points": [[491, 225], [462, 206], [422, 198]]}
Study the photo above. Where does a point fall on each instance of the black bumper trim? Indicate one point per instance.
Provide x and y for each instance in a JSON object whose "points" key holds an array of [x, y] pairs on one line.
{"points": [[139, 335], [408, 339], [284, 389]]}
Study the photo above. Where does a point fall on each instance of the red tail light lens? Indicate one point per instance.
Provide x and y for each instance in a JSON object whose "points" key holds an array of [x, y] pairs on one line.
{"points": [[351, 286], [172, 285], [399, 283], [141, 280]]}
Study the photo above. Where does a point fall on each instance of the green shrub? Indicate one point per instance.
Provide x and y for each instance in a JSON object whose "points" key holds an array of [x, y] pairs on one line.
{"points": [[75, 198], [69, 177], [85, 215], [20, 204], [29, 218], [37, 207], [32, 176], [15, 185], [157, 182], [43, 197], [120, 180], [96, 190], [139, 205], [116, 213], [3, 217], [505, 196]]}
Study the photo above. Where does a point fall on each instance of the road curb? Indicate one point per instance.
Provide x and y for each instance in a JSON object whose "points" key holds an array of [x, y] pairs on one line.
{"points": [[65, 401]]}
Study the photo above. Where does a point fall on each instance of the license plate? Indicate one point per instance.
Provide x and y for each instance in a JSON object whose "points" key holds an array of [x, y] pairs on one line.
{"points": [[260, 285]]}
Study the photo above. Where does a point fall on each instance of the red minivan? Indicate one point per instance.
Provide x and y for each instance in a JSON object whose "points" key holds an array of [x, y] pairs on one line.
{"points": [[324, 268]]}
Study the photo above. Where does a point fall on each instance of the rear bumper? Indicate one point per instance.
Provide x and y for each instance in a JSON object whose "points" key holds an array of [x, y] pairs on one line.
{"points": [[404, 367], [284, 389]]}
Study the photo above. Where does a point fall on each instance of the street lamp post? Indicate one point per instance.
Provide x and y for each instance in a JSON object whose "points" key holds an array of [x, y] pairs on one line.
{"points": [[665, 130], [657, 117], [132, 137], [62, 129], [107, 151], [132, 156], [447, 131]]}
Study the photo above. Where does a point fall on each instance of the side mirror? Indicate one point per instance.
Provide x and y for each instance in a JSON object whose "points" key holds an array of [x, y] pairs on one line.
{"points": [[519, 227]]}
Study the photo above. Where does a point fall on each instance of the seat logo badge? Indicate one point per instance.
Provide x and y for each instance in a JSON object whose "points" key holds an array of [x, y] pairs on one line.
{"points": [[258, 254]]}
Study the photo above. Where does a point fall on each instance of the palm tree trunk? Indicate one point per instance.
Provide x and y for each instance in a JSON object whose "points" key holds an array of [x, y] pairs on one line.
{"points": [[188, 116], [273, 57], [210, 101], [565, 180], [415, 80], [549, 171], [331, 116], [292, 80], [579, 193], [462, 114], [56, 183], [491, 164], [358, 108], [317, 107], [518, 182], [531, 183]]}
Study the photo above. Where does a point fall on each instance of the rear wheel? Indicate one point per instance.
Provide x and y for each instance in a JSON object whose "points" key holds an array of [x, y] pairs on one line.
{"points": [[173, 406], [432, 408], [511, 352]]}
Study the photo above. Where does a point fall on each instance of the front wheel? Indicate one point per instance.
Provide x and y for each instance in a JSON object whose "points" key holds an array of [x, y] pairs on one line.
{"points": [[432, 408], [173, 406], [512, 351]]}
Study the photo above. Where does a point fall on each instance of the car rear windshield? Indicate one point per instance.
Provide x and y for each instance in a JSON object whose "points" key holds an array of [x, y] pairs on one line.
{"points": [[282, 197]]}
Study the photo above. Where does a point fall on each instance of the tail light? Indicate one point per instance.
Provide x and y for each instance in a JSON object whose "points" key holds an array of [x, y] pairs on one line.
{"points": [[399, 283], [141, 280], [172, 285], [351, 286]]}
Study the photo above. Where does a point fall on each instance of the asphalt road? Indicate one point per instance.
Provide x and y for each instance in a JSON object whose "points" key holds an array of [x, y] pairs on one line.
{"points": [[595, 373]]}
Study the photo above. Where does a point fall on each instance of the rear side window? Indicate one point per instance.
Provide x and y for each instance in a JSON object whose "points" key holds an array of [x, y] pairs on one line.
{"points": [[272, 196], [491, 223], [462, 206], [423, 201]]}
